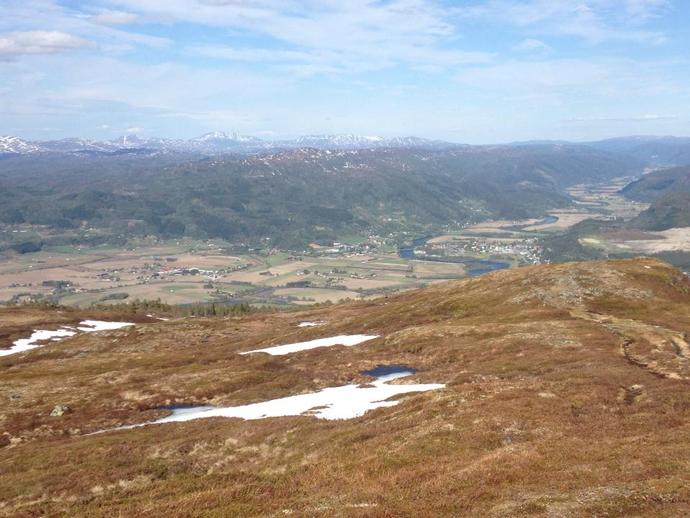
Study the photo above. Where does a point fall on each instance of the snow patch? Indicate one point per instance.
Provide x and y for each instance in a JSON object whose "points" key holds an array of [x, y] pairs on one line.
{"points": [[158, 318], [344, 402], [346, 340], [26, 344], [92, 326], [311, 324], [41, 335], [15, 145]]}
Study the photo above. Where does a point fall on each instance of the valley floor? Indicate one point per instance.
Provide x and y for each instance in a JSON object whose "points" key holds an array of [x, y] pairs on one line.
{"points": [[189, 272]]}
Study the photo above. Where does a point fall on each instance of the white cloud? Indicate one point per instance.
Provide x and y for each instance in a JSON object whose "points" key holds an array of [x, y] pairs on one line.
{"points": [[304, 63], [560, 81], [114, 18], [39, 42], [34, 16], [531, 45], [297, 66], [327, 35], [596, 21], [250, 54], [640, 11]]}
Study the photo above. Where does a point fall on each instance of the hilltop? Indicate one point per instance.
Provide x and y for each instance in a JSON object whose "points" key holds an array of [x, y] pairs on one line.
{"points": [[566, 394]]}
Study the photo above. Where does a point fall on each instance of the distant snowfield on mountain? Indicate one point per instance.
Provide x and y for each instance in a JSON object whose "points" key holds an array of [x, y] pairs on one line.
{"points": [[216, 142], [15, 145], [652, 150]]}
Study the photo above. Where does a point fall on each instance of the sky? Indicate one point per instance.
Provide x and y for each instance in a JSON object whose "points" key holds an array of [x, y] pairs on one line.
{"points": [[464, 71]]}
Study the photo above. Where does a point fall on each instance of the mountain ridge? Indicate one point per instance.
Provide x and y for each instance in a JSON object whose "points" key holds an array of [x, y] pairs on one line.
{"points": [[656, 151], [211, 143]]}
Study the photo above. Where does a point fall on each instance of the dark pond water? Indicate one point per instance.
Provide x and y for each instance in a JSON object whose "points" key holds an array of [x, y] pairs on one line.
{"points": [[181, 406], [386, 370], [178, 411]]}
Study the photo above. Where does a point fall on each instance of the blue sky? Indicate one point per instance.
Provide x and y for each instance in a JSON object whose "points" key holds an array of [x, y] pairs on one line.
{"points": [[465, 71]]}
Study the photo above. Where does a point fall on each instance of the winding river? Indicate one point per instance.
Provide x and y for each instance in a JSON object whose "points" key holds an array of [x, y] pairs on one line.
{"points": [[473, 266]]}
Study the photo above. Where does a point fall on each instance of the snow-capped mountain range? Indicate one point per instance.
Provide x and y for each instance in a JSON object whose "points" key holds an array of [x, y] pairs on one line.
{"points": [[15, 145], [209, 144]]}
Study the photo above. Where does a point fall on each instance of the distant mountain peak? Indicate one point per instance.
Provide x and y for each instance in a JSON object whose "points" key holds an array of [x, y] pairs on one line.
{"points": [[131, 139], [223, 136], [217, 135], [214, 143], [14, 145], [351, 141], [341, 138]]}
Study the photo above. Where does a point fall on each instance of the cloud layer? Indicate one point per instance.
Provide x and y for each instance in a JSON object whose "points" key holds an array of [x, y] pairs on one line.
{"points": [[475, 71], [14, 44]]}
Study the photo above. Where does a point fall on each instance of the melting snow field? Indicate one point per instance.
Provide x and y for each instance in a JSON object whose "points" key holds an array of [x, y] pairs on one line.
{"points": [[87, 326], [26, 344], [347, 340], [91, 326], [345, 402], [310, 324]]}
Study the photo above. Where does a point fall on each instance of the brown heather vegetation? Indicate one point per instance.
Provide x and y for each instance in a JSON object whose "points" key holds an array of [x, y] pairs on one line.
{"points": [[567, 395]]}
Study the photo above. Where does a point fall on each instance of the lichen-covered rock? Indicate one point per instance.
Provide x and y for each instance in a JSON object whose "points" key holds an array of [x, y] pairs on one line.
{"points": [[60, 410]]}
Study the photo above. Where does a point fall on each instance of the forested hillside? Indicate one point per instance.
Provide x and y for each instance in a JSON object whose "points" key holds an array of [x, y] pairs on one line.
{"points": [[295, 196], [659, 183]]}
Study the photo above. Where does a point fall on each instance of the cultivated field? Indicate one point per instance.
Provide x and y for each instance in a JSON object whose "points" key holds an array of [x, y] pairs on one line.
{"points": [[193, 272], [671, 240]]}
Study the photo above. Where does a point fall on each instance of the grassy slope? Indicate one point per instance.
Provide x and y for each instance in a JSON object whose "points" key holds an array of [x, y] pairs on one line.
{"points": [[540, 415]]}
